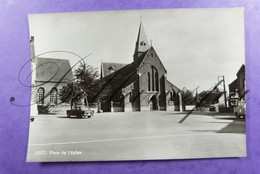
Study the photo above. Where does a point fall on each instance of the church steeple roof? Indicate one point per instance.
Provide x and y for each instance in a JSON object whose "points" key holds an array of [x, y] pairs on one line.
{"points": [[142, 43]]}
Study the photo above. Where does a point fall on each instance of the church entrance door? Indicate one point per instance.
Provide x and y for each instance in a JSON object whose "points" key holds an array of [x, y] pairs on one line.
{"points": [[153, 103]]}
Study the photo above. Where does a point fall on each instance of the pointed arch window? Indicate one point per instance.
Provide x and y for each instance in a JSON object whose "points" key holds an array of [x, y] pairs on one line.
{"points": [[130, 97], [40, 96], [155, 79], [173, 95], [149, 81], [53, 96]]}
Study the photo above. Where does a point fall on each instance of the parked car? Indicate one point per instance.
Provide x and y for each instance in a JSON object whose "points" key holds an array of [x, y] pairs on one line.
{"points": [[212, 108], [240, 109], [80, 113]]}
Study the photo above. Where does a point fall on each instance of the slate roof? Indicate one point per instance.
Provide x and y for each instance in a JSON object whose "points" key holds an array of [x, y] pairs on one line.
{"points": [[208, 98], [108, 68], [241, 70], [53, 70], [233, 86], [113, 83], [142, 43], [176, 89]]}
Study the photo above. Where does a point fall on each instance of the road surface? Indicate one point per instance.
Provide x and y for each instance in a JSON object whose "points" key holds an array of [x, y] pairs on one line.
{"points": [[136, 136]]}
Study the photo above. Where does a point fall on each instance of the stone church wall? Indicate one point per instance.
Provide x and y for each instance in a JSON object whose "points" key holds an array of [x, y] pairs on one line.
{"points": [[150, 65], [136, 96], [128, 103], [144, 102], [172, 97], [60, 108]]}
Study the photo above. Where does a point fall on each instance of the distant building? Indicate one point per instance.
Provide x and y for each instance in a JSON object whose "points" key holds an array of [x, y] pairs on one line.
{"points": [[139, 86], [237, 89], [50, 75]]}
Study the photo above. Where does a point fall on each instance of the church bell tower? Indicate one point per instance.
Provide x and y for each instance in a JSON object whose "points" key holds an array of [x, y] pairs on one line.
{"points": [[142, 43]]}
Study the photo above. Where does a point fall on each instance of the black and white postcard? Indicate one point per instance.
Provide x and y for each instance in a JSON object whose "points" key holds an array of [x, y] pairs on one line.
{"points": [[137, 85]]}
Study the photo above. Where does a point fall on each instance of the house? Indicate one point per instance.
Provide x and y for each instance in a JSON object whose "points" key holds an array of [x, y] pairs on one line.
{"points": [[237, 89], [139, 86], [48, 77]]}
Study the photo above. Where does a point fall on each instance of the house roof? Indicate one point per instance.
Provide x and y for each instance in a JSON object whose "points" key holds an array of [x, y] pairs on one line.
{"points": [[233, 86], [173, 86], [108, 68], [241, 70], [53, 70], [121, 78], [207, 97]]}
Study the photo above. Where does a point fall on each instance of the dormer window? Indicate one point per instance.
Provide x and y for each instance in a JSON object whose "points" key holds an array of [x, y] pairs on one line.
{"points": [[110, 68], [142, 43]]}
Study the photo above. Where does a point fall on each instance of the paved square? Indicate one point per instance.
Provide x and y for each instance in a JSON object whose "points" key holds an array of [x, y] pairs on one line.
{"points": [[136, 136]]}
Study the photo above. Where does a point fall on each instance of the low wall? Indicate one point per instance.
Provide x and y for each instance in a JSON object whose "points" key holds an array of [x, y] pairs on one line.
{"points": [[59, 109]]}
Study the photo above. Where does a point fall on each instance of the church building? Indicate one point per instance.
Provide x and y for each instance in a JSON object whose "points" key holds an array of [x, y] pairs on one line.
{"points": [[139, 86]]}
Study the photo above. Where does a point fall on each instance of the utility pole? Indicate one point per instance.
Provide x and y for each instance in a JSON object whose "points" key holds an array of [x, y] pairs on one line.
{"points": [[203, 99], [224, 88]]}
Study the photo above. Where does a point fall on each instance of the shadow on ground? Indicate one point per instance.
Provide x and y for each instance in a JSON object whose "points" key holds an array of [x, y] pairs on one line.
{"points": [[227, 118], [71, 117], [236, 126], [202, 113]]}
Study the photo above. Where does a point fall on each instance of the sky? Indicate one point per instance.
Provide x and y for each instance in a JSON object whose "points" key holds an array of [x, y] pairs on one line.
{"points": [[195, 45]]}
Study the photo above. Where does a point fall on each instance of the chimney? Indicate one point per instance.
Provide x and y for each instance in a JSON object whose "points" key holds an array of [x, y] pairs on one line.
{"points": [[32, 49]]}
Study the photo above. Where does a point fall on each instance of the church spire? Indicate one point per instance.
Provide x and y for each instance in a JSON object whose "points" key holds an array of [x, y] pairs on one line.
{"points": [[142, 43]]}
